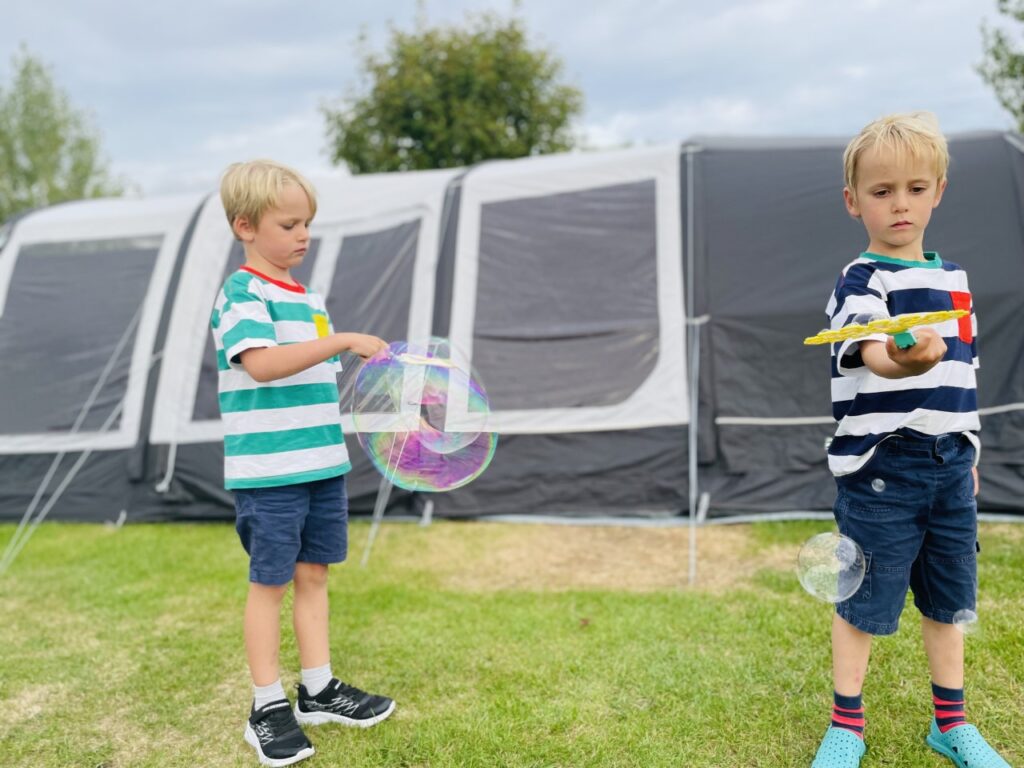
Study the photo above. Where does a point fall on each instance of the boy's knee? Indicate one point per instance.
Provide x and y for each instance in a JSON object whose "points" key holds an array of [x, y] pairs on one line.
{"points": [[310, 575], [270, 592]]}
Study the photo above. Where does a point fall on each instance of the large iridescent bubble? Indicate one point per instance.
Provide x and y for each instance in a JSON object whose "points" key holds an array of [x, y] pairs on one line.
{"points": [[422, 416]]}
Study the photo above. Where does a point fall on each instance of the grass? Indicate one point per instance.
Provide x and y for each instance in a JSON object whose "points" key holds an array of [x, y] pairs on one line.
{"points": [[123, 648]]}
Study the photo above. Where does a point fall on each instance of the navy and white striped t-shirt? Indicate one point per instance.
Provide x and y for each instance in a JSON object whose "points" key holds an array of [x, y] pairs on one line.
{"points": [[869, 407]]}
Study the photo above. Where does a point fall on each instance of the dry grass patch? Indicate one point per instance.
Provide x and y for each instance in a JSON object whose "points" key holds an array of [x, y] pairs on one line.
{"points": [[30, 702], [484, 557]]}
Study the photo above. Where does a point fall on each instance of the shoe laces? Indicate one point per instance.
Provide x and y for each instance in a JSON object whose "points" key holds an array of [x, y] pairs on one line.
{"points": [[278, 722], [337, 686]]}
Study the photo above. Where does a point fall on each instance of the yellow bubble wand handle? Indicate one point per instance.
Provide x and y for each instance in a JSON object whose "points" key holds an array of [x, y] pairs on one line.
{"points": [[898, 327]]}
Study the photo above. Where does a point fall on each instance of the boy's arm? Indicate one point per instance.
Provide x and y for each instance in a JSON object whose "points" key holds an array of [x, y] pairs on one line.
{"points": [[889, 361], [272, 363]]}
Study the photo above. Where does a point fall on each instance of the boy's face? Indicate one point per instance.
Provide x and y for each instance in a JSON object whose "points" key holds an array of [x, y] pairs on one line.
{"points": [[280, 240], [894, 198]]}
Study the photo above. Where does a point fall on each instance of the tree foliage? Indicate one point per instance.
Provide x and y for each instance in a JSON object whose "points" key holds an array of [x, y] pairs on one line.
{"points": [[49, 151], [446, 96], [1003, 67]]}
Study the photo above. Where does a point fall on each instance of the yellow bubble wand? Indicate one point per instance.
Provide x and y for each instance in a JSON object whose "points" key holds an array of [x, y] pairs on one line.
{"points": [[898, 327]]}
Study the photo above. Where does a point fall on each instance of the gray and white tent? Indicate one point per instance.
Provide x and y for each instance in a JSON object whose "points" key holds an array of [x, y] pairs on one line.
{"points": [[608, 300]]}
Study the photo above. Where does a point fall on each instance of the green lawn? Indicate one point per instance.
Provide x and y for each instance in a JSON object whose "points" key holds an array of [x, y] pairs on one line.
{"points": [[122, 648]]}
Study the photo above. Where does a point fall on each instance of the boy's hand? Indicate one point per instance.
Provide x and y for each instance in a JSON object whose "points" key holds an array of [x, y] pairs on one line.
{"points": [[920, 358], [977, 483], [364, 345]]}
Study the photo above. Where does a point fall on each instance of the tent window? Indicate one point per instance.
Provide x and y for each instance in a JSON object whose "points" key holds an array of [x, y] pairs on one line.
{"points": [[372, 286], [207, 406], [566, 307], [67, 308]]}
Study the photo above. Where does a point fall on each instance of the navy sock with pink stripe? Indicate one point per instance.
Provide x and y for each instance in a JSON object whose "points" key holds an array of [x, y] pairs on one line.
{"points": [[950, 707], [848, 713]]}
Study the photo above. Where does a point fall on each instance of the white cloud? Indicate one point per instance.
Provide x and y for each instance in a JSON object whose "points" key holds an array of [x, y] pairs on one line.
{"points": [[180, 91], [296, 140], [674, 122]]}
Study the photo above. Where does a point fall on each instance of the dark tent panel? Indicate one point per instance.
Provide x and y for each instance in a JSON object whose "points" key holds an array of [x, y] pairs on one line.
{"points": [[588, 291], [567, 283]]}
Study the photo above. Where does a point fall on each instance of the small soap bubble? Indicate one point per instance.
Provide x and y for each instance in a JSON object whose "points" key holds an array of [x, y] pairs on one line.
{"points": [[966, 621], [878, 485], [831, 567]]}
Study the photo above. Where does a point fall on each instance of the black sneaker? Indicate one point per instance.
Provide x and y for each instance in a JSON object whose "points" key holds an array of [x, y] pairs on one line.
{"points": [[276, 737], [342, 703]]}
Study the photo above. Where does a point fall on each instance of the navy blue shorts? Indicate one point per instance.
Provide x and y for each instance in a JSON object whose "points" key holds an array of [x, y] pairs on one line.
{"points": [[912, 510], [289, 524]]}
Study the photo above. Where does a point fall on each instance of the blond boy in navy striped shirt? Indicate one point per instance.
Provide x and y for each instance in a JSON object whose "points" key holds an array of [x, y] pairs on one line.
{"points": [[905, 448]]}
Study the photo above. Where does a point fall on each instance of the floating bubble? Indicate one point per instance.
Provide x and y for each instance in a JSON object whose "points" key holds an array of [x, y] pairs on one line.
{"points": [[422, 416], [878, 485], [966, 621], [831, 567]]}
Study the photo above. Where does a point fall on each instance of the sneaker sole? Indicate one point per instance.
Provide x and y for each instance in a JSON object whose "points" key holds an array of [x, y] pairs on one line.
{"points": [[942, 750], [274, 762], [322, 718]]}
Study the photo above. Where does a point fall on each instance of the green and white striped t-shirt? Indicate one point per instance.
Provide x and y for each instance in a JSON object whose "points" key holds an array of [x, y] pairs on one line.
{"points": [[277, 432]]}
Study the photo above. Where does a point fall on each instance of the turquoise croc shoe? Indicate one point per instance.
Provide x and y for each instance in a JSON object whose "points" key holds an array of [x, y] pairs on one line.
{"points": [[965, 747], [840, 749]]}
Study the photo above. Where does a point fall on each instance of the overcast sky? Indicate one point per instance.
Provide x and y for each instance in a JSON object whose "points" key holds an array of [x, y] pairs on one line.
{"points": [[180, 89]]}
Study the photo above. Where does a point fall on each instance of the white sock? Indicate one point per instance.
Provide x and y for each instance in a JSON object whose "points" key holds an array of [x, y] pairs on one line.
{"points": [[316, 679], [264, 694]]}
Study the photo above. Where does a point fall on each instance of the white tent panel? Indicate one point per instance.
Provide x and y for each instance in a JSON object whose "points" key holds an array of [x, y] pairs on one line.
{"points": [[661, 399], [91, 224], [347, 206]]}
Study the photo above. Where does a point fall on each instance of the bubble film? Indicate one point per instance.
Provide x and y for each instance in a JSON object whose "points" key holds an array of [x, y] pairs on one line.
{"points": [[831, 567], [422, 416], [966, 621]]}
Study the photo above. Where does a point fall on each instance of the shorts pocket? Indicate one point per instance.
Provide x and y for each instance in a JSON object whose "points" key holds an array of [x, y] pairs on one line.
{"points": [[877, 457], [889, 585], [863, 594], [857, 507]]}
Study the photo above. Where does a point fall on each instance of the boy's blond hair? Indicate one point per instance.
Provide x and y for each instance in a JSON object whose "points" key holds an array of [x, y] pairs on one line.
{"points": [[248, 189], [915, 134]]}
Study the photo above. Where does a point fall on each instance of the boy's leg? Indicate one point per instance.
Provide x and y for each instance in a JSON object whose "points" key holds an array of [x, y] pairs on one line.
{"points": [[263, 631], [325, 540], [310, 617], [851, 649], [944, 644], [271, 728], [322, 697], [874, 609], [945, 582], [310, 614], [843, 743], [268, 522]]}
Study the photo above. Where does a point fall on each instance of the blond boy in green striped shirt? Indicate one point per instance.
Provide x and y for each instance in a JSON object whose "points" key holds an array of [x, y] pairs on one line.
{"points": [[284, 454]]}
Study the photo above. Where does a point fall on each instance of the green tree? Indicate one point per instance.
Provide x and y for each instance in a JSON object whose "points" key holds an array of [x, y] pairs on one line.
{"points": [[1003, 67], [49, 151], [446, 96]]}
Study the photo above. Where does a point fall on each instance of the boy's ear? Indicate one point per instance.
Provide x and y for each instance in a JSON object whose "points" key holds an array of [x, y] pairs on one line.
{"points": [[938, 197], [851, 203], [243, 229]]}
